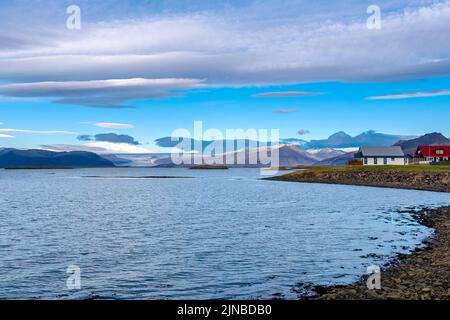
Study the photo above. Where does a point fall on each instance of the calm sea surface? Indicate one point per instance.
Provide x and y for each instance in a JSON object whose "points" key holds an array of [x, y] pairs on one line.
{"points": [[219, 234]]}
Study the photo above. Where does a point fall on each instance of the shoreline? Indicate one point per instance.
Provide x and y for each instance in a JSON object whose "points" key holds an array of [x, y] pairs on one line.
{"points": [[435, 181], [423, 274], [363, 185]]}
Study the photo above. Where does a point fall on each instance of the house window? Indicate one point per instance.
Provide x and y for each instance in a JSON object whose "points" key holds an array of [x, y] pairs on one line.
{"points": [[392, 159], [365, 160], [385, 161], [375, 160]]}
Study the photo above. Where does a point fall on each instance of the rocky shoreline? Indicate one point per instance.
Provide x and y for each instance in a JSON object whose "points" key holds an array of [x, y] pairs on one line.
{"points": [[438, 181], [421, 275]]}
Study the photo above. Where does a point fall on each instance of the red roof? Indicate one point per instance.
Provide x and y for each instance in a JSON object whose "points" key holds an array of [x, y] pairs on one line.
{"points": [[434, 151]]}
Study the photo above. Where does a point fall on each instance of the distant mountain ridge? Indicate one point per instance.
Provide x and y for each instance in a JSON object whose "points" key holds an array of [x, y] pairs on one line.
{"points": [[365, 139], [409, 147], [430, 139], [336, 140], [326, 153], [189, 144], [289, 155], [340, 160], [10, 158]]}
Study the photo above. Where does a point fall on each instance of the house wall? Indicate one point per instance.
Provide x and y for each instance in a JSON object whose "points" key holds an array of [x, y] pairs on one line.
{"points": [[390, 161], [437, 159]]}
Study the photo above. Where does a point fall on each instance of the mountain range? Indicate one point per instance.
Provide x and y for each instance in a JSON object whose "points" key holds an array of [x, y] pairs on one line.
{"points": [[294, 153], [343, 140], [189, 144], [289, 155], [409, 147], [42, 158], [430, 139], [338, 140]]}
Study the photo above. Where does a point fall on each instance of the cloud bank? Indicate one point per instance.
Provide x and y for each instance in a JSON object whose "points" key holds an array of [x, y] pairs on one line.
{"points": [[100, 148], [163, 54], [100, 93], [110, 125]]}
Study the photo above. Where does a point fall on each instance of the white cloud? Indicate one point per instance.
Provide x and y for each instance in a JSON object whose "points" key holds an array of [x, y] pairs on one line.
{"points": [[100, 148], [423, 94], [286, 94], [35, 131], [235, 48], [347, 149], [110, 125], [109, 147], [6, 136], [100, 93]]}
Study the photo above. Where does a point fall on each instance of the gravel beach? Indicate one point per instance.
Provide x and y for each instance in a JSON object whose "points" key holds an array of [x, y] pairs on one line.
{"points": [[388, 178], [421, 275]]}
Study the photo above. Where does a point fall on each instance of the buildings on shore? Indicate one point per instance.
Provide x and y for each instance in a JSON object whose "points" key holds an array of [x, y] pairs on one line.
{"points": [[429, 154], [379, 156]]}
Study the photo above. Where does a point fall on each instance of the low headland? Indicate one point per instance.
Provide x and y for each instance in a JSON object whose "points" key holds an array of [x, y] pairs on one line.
{"points": [[138, 177], [39, 168], [209, 167], [422, 275], [419, 177]]}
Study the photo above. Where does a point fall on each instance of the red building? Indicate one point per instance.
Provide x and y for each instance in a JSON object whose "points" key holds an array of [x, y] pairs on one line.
{"points": [[433, 153]]}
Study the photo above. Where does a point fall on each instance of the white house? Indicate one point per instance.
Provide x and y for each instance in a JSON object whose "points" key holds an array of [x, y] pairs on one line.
{"points": [[382, 156]]}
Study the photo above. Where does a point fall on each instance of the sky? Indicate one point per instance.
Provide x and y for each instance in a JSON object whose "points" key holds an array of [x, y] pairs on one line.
{"points": [[135, 71]]}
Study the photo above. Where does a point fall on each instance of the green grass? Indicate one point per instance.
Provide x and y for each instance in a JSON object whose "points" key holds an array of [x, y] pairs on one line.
{"points": [[410, 168]]}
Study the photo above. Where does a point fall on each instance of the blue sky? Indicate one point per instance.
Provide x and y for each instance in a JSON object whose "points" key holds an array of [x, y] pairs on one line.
{"points": [[146, 68]]}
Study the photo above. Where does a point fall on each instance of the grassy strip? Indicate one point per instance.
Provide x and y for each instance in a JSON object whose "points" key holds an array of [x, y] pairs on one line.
{"points": [[418, 177], [410, 168]]}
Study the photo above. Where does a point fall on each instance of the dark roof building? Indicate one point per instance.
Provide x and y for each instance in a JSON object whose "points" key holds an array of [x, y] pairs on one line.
{"points": [[373, 156], [393, 152]]}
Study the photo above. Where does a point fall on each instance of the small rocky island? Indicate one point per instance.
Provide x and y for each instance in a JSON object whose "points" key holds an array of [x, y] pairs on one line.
{"points": [[208, 167]]}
